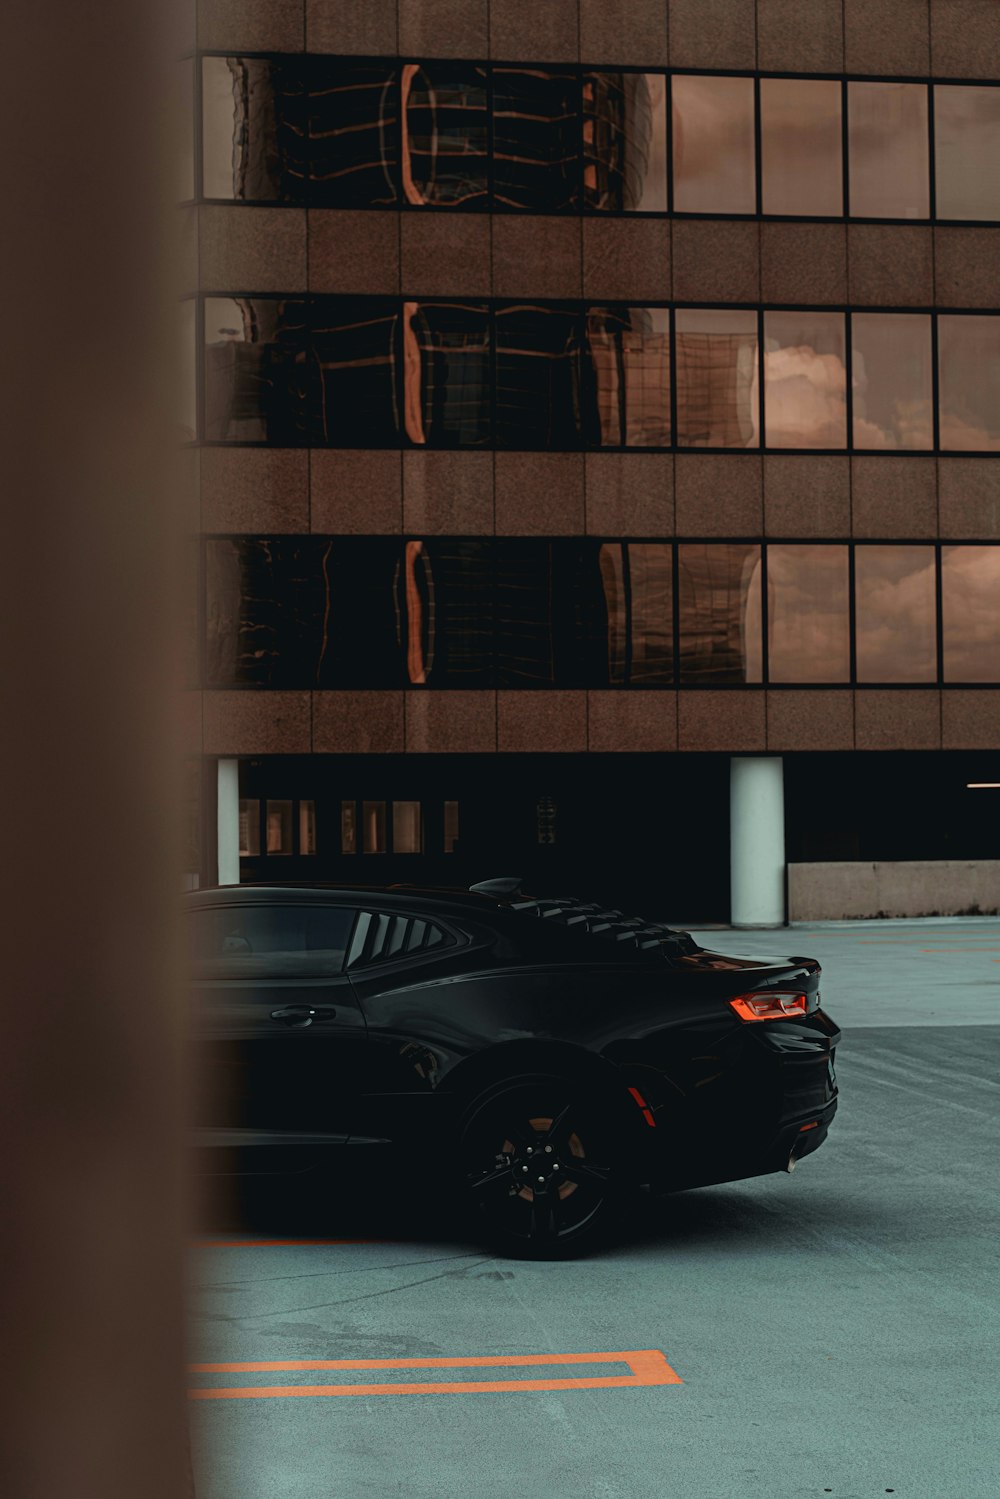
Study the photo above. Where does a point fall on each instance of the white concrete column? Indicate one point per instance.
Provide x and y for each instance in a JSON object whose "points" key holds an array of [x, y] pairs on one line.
{"points": [[228, 822], [757, 840]]}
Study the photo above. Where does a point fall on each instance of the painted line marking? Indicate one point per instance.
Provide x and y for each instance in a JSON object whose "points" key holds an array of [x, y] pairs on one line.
{"points": [[648, 1368]]}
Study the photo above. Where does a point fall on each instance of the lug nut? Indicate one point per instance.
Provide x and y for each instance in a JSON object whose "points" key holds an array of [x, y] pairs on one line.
{"points": [[531, 1150], [548, 1150], [541, 1179], [525, 1170], [555, 1165]]}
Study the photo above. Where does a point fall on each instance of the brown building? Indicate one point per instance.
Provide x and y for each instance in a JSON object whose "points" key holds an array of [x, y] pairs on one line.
{"points": [[595, 427]]}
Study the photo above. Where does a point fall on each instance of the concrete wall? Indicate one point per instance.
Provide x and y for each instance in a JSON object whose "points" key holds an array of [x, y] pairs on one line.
{"points": [[942, 887]]}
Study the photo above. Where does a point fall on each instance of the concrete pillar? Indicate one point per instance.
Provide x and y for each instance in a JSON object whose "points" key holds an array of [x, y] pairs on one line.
{"points": [[757, 840], [228, 822]]}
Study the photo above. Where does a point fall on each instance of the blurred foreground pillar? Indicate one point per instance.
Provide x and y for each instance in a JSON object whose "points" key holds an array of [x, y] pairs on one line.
{"points": [[91, 1223]]}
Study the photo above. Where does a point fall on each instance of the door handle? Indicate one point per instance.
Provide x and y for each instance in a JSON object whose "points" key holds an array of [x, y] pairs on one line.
{"points": [[303, 1015]]}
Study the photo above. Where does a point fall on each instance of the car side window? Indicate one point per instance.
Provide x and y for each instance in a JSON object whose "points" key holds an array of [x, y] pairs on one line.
{"points": [[381, 936], [269, 941]]}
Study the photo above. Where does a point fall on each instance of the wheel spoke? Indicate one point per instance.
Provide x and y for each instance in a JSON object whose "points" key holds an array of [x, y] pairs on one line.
{"points": [[585, 1174], [501, 1176], [544, 1220], [560, 1128]]}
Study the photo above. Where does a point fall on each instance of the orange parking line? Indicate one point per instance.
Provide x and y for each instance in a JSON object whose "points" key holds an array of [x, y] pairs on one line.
{"points": [[648, 1368]]}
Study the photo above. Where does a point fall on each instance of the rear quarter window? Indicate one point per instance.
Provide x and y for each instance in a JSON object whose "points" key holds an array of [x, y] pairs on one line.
{"points": [[286, 941]]}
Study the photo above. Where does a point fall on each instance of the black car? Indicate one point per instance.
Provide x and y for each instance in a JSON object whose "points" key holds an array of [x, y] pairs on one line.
{"points": [[537, 1056]]}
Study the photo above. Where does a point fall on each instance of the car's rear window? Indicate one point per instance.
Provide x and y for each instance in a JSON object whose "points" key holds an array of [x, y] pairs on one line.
{"points": [[262, 941]]}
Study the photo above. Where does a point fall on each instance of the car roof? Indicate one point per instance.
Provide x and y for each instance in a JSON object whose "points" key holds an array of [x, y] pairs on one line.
{"points": [[291, 892], [489, 898]]}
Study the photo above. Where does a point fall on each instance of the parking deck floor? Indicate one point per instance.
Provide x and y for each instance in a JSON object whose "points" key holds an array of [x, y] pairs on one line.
{"points": [[834, 1332]]}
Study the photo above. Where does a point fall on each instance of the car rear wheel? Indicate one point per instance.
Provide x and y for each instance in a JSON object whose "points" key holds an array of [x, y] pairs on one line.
{"points": [[540, 1169]]}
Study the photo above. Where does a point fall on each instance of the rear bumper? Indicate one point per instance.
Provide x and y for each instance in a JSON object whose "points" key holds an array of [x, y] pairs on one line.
{"points": [[775, 1107]]}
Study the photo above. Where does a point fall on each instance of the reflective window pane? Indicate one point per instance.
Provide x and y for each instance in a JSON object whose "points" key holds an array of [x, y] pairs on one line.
{"points": [[969, 382], [407, 828], [249, 829], [279, 827], [255, 380], [538, 377], [892, 377], [444, 134], [451, 825], [801, 147], [358, 582], [720, 614], [805, 381], [713, 145], [348, 828], [967, 151], [629, 374], [353, 132], [525, 613], [446, 364], [446, 612], [651, 588], [808, 630], [611, 562], [889, 150], [307, 827], [254, 136], [537, 138], [373, 827], [718, 383], [625, 142], [895, 614], [970, 588], [355, 359], [265, 604]]}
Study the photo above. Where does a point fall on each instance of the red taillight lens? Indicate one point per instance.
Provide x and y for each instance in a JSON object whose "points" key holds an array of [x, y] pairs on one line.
{"points": [[773, 1006]]}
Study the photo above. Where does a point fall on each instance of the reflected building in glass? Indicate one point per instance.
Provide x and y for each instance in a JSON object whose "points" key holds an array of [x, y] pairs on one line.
{"points": [[572, 421]]}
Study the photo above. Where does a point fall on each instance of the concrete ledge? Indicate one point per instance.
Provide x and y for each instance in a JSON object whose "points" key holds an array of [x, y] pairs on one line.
{"points": [[932, 887]]}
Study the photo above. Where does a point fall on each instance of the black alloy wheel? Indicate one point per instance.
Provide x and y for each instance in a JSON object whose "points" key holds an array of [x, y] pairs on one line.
{"points": [[540, 1169]]}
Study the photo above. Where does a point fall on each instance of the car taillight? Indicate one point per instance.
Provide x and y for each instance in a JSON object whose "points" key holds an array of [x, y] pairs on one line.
{"points": [[770, 1006]]}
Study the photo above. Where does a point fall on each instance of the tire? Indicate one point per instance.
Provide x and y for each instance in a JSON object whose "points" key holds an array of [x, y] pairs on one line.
{"points": [[541, 1172]]}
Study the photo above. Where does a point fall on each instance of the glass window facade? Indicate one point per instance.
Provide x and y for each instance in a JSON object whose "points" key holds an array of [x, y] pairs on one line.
{"points": [[336, 131], [713, 144], [800, 130], [805, 380], [535, 612], [718, 378], [967, 151], [444, 155], [892, 380], [378, 372], [969, 380], [625, 142], [889, 150], [720, 640], [808, 616], [970, 619], [895, 613]]}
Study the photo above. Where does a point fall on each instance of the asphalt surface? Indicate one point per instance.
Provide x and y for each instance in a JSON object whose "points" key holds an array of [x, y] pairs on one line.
{"points": [[836, 1331]]}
